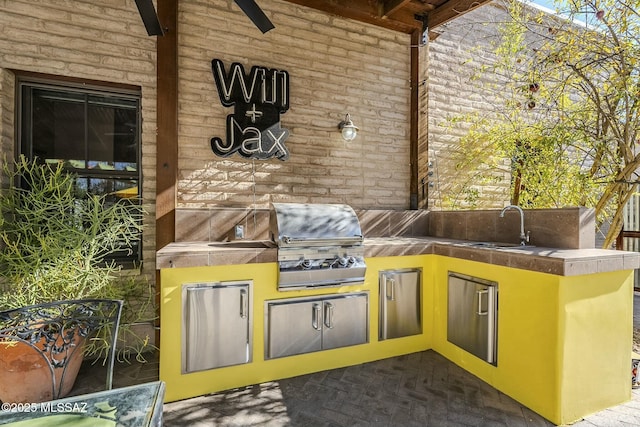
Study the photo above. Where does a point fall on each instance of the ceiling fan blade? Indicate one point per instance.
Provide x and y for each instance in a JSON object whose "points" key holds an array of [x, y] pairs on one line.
{"points": [[149, 17], [257, 16]]}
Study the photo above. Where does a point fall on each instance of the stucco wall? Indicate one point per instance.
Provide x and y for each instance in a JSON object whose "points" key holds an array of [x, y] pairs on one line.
{"points": [[336, 66], [103, 41]]}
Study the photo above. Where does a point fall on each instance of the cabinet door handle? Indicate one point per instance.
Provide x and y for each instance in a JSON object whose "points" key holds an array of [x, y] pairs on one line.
{"points": [[480, 294], [391, 290], [328, 315], [244, 304], [315, 317]]}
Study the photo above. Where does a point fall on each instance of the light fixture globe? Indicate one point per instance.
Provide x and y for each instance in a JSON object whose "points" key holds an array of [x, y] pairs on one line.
{"points": [[348, 129]]}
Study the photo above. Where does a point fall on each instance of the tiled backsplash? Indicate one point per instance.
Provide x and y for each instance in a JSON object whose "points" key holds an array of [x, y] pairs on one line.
{"points": [[557, 228], [570, 228], [390, 223], [194, 225], [217, 225]]}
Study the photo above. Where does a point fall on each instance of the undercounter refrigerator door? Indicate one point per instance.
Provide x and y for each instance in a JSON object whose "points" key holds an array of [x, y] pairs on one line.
{"points": [[472, 315], [400, 303], [217, 325], [293, 327]]}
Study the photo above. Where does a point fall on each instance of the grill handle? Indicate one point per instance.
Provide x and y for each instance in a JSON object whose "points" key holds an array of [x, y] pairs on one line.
{"points": [[322, 241]]}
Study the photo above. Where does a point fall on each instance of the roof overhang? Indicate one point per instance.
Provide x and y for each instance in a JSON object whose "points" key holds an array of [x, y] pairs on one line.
{"points": [[405, 16]]}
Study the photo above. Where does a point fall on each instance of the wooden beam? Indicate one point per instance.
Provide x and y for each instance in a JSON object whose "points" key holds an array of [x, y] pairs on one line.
{"points": [[365, 11], [416, 41], [167, 123], [390, 7], [450, 10]]}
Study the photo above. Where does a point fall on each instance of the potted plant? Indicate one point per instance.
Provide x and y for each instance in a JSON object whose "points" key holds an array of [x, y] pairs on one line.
{"points": [[55, 241]]}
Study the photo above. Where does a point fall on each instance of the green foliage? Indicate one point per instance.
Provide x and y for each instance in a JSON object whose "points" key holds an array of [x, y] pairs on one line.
{"points": [[568, 110], [56, 239]]}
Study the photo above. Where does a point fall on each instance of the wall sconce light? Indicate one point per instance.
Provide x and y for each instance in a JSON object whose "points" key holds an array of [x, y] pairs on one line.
{"points": [[348, 129]]}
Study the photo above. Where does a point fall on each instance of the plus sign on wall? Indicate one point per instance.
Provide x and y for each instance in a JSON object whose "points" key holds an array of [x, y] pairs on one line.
{"points": [[253, 130]]}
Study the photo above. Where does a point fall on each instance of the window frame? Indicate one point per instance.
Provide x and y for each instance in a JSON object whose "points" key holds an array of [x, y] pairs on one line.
{"points": [[86, 88]]}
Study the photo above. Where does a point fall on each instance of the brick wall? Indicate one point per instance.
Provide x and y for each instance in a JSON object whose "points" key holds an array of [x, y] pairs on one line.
{"points": [[455, 57], [102, 41], [336, 66]]}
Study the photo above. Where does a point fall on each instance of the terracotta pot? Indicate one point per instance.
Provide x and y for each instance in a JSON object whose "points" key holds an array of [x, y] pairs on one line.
{"points": [[26, 375]]}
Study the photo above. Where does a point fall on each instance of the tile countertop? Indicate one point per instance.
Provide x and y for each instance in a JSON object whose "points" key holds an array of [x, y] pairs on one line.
{"points": [[562, 262]]}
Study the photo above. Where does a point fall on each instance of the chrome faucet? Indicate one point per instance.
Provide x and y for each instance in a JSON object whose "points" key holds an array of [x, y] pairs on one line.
{"points": [[524, 237]]}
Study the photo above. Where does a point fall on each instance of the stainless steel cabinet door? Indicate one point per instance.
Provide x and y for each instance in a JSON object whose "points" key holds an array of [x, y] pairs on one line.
{"points": [[472, 316], [400, 303], [345, 321], [293, 328], [216, 329]]}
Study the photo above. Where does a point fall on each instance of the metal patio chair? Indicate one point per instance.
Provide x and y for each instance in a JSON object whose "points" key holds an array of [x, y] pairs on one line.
{"points": [[56, 332]]}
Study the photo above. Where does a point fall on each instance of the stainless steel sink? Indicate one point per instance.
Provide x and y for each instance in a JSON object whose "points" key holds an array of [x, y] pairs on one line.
{"points": [[517, 247], [244, 244], [481, 244], [495, 245]]}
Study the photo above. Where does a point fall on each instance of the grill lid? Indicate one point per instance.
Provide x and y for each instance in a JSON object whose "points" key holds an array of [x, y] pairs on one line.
{"points": [[304, 224]]}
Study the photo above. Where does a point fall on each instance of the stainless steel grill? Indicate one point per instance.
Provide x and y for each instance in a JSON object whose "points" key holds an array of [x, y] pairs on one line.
{"points": [[319, 245]]}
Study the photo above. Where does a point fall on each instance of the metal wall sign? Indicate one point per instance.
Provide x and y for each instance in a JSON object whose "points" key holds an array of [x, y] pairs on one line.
{"points": [[253, 130]]}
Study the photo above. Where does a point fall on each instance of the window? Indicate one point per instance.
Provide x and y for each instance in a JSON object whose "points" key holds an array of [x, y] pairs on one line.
{"points": [[93, 131]]}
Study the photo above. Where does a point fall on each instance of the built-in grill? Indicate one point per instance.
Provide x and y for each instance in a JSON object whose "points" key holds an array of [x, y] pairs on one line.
{"points": [[319, 245]]}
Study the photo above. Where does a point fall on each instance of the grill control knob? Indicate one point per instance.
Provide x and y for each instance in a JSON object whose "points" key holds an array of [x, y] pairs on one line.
{"points": [[306, 263], [343, 261], [352, 260]]}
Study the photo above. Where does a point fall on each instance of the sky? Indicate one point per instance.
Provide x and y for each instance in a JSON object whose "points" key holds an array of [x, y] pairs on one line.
{"points": [[545, 3], [549, 4]]}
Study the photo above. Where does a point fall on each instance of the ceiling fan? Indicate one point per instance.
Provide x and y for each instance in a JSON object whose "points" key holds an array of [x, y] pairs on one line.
{"points": [[249, 7], [257, 16], [149, 17]]}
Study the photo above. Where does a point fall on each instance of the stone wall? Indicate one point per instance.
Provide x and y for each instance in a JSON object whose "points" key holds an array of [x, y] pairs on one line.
{"points": [[101, 41], [336, 66]]}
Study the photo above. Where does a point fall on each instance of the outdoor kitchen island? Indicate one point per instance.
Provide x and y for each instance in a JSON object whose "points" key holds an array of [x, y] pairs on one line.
{"points": [[563, 324]]}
